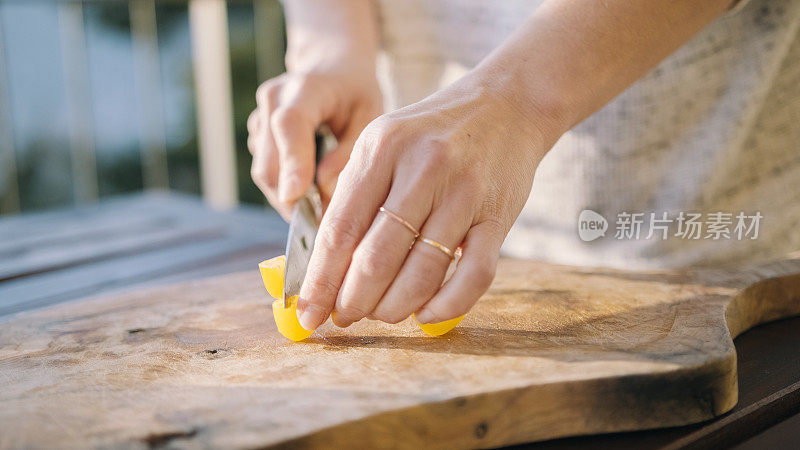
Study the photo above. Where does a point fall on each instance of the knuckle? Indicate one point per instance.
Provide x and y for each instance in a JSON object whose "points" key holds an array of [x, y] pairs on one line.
{"points": [[252, 121], [385, 125], [471, 183], [379, 143], [438, 152], [389, 315], [251, 146], [482, 276], [284, 117], [372, 262], [340, 233], [352, 310], [439, 147], [290, 168], [322, 287], [305, 80], [261, 93], [435, 156], [381, 133], [266, 91], [259, 174]]}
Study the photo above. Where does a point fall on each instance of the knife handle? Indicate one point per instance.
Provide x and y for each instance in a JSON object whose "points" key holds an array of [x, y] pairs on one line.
{"points": [[324, 141]]}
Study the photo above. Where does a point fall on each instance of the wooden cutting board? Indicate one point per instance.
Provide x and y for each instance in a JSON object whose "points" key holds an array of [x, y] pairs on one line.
{"points": [[549, 351]]}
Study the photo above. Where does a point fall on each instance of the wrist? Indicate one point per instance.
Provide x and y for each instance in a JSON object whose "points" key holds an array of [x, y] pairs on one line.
{"points": [[539, 113], [326, 35], [328, 57]]}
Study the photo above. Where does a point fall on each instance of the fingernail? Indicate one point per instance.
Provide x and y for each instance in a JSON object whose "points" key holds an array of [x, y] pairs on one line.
{"points": [[424, 316], [311, 317], [339, 321]]}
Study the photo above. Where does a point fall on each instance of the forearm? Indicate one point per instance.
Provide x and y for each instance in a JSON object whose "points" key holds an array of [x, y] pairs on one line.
{"points": [[330, 32], [572, 57]]}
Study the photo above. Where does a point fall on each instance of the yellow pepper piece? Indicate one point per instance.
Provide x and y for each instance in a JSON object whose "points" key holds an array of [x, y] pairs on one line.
{"points": [[285, 318], [272, 274], [439, 328]]}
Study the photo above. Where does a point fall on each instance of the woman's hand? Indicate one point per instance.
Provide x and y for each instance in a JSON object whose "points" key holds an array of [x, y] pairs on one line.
{"points": [[458, 167], [330, 79], [290, 109]]}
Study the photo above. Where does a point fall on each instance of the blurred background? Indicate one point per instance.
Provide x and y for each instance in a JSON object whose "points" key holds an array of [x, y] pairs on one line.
{"points": [[105, 97]]}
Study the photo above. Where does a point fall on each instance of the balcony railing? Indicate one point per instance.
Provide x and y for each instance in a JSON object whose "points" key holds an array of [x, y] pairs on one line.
{"points": [[208, 22]]}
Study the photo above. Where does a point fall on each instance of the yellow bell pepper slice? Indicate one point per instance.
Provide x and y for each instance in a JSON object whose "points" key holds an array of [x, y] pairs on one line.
{"points": [[439, 328], [285, 318], [272, 274]]}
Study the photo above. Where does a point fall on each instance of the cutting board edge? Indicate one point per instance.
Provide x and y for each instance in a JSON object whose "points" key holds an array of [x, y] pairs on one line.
{"points": [[716, 385], [748, 308]]}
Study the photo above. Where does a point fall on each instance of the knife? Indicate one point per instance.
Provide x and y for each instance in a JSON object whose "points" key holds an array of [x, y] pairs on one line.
{"points": [[306, 217]]}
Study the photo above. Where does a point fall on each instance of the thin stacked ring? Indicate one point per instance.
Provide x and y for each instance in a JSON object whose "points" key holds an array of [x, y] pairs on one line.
{"points": [[402, 221], [419, 238], [438, 245]]}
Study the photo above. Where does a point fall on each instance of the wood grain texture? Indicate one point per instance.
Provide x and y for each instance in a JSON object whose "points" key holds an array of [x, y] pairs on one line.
{"points": [[549, 351]]}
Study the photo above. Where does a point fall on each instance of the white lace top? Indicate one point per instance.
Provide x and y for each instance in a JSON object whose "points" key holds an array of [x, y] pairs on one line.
{"points": [[715, 128]]}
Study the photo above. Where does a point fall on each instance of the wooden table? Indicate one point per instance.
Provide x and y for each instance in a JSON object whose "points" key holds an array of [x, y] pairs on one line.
{"points": [[151, 239], [126, 243]]}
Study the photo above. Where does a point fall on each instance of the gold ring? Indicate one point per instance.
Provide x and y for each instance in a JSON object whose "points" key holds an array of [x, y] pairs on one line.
{"points": [[402, 221], [441, 247]]}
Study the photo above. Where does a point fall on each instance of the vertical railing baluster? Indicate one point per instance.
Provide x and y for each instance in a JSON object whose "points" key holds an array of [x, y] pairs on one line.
{"points": [[147, 75], [78, 98], [208, 20], [9, 181]]}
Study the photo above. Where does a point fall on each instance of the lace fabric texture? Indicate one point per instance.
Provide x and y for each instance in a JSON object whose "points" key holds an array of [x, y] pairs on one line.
{"points": [[715, 127]]}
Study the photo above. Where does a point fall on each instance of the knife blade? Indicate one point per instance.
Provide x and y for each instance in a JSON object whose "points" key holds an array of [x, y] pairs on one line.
{"points": [[300, 243], [306, 217]]}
